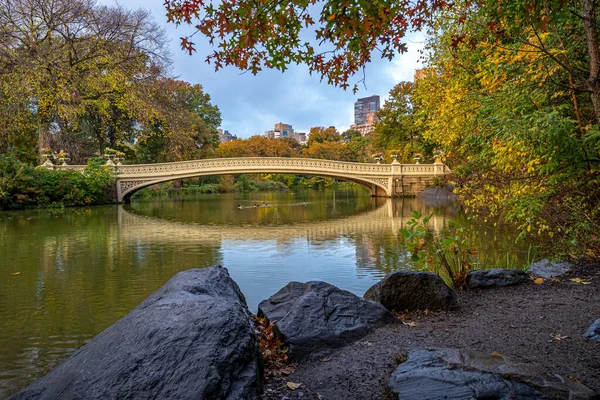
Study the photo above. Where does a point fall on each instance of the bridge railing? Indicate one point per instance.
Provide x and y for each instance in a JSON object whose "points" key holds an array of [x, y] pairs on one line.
{"points": [[249, 163]]}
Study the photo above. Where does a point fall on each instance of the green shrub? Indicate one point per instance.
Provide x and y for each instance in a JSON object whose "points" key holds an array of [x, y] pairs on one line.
{"points": [[449, 254], [23, 186]]}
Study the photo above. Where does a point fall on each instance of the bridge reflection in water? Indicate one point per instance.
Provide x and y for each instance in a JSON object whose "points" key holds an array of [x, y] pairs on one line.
{"points": [[388, 216], [373, 235]]}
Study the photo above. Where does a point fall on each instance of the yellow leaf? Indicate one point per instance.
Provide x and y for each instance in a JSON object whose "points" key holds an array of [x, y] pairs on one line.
{"points": [[496, 354], [582, 281], [538, 281], [293, 386], [413, 324], [16, 273], [331, 17]]}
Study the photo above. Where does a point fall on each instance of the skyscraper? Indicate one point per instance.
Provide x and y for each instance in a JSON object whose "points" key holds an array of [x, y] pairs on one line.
{"points": [[363, 107]]}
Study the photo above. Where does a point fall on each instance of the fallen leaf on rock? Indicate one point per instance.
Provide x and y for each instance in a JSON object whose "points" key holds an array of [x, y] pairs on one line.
{"points": [[574, 379], [496, 354], [582, 281], [555, 279], [559, 337], [513, 326], [16, 273], [326, 359], [538, 281], [413, 324], [293, 385]]}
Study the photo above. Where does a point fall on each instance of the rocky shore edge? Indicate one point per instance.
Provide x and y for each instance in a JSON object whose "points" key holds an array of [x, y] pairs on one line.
{"points": [[195, 338]]}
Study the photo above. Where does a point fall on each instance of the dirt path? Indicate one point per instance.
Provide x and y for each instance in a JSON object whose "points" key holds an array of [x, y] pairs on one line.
{"points": [[543, 324]]}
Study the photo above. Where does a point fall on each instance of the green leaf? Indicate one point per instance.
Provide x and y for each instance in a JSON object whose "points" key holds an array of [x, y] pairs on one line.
{"points": [[416, 214]]}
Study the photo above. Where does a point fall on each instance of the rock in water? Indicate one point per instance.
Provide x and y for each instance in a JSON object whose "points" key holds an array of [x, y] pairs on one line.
{"points": [[412, 290], [593, 332], [548, 269], [314, 317], [191, 339], [466, 375], [496, 277]]}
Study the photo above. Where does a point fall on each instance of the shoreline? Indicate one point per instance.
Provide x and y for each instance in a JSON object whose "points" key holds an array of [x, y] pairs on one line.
{"points": [[522, 321]]}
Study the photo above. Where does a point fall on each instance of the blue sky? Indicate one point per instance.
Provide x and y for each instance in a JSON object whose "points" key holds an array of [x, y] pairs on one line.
{"points": [[252, 104]]}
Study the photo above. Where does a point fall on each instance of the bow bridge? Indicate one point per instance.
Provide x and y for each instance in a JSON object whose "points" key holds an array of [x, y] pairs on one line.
{"points": [[383, 180]]}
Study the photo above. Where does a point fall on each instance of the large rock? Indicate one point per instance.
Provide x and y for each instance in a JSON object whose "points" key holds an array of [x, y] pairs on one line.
{"points": [[412, 290], [593, 332], [466, 375], [191, 339], [548, 269], [495, 277], [314, 317]]}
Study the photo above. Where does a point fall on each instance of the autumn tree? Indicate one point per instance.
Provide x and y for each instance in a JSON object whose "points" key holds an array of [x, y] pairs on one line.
{"points": [[522, 143], [320, 134], [255, 35], [396, 129], [179, 122], [259, 146], [251, 35], [77, 60]]}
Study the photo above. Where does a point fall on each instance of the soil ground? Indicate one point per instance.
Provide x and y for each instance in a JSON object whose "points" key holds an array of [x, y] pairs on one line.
{"points": [[539, 323]]}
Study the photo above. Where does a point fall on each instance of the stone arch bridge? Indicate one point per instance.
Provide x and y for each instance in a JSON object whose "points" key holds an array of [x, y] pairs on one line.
{"points": [[382, 180]]}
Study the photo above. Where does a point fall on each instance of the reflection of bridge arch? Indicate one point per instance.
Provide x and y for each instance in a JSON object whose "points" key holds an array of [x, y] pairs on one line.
{"points": [[136, 227], [384, 180]]}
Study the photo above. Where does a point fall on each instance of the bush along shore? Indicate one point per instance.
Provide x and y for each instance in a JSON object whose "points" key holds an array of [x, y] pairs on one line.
{"points": [[23, 186], [506, 335]]}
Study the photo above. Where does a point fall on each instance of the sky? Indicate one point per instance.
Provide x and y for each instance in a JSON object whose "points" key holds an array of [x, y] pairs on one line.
{"points": [[252, 104]]}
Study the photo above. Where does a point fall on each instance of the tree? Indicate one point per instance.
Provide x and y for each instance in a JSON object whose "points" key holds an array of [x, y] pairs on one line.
{"points": [[259, 146], [397, 128], [518, 137], [251, 35], [350, 135], [319, 134], [180, 122], [77, 62]]}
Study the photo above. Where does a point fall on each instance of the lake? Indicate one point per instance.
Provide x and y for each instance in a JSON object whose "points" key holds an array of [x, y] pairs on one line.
{"points": [[66, 275]]}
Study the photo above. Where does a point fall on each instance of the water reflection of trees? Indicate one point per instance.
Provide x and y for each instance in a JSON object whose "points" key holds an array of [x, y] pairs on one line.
{"points": [[67, 276]]}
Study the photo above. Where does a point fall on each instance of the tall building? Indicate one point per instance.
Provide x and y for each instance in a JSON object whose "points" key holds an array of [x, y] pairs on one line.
{"points": [[284, 130], [368, 126], [280, 130], [363, 107], [225, 136]]}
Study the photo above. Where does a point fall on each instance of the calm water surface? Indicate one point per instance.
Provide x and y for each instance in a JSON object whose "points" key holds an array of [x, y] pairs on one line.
{"points": [[66, 275]]}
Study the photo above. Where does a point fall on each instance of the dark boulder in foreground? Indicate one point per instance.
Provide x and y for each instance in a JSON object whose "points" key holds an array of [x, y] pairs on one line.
{"points": [[549, 269], [593, 332], [412, 290], [191, 339], [314, 317], [495, 277], [466, 375]]}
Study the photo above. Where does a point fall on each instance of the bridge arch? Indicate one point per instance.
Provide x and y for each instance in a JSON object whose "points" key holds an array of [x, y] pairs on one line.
{"points": [[128, 188]]}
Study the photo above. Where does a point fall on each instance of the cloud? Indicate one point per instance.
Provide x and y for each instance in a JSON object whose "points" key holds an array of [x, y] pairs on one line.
{"points": [[253, 104]]}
